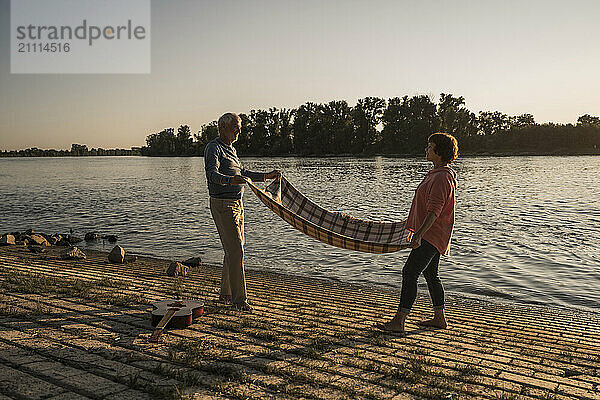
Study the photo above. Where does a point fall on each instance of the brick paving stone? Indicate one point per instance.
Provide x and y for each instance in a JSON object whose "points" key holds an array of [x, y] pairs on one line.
{"points": [[579, 393], [98, 385], [490, 357], [16, 355], [13, 335], [26, 385], [68, 396], [537, 366], [500, 384], [456, 357], [20, 325], [403, 396], [546, 394], [7, 373], [129, 394], [595, 380], [528, 381], [564, 380], [52, 369]]}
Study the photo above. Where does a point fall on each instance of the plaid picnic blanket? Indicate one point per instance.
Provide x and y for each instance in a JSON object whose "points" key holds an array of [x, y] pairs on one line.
{"points": [[333, 228]]}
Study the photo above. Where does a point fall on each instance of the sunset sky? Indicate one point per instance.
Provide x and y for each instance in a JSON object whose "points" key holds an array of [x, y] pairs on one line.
{"points": [[209, 57]]}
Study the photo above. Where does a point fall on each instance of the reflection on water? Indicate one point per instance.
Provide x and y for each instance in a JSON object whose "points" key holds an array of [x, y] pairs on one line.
{"points": [[527, 228]]}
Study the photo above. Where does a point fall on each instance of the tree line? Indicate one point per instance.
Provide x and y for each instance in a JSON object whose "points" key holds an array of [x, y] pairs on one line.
{"points": [[397, 126], [76, 150]]}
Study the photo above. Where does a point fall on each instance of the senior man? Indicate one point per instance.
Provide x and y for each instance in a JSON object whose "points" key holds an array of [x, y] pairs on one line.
{"points": [[226, 178]]}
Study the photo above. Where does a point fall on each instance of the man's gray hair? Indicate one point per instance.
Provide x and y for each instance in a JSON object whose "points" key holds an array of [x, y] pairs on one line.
{"points": [[228, 121]]}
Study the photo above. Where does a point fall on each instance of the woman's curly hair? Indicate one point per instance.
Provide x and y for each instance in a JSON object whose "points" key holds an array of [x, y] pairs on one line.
{"points": [[446, 146]]}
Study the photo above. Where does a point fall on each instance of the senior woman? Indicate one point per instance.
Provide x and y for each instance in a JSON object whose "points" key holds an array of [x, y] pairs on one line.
{"points": [[431, 219]]}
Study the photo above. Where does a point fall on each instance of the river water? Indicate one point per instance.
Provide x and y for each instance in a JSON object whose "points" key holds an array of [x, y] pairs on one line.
{"points": [[527, 228]]}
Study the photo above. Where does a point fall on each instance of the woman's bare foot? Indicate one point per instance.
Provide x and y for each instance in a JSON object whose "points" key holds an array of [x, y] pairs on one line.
{"points": [[438, 320], [391, 327], [434, 323], [395, 325]]}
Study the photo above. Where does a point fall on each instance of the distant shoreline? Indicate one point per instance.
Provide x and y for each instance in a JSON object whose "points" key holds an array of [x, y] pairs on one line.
{"points": [[466, 154]]}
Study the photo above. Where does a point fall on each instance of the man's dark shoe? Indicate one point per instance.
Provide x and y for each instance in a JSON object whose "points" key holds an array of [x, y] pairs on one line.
{"points": [[243, 307], [224, 299]]}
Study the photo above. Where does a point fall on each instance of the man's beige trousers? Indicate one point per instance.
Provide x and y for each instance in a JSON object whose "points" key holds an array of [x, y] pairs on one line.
{"points": [[229, 219]]}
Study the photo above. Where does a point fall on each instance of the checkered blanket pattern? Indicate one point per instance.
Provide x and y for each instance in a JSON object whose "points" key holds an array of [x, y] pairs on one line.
{"points": [[333, 228]]}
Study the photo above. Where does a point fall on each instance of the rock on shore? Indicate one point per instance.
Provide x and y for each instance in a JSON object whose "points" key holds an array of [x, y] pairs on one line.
{"points": [[193, 262], [177, 269], [37, 239], [73, 254], [7, 239], [117, 255]]}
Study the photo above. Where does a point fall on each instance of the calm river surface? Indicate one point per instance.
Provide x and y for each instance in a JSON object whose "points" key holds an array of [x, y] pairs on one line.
{"points": [[527, 228]]}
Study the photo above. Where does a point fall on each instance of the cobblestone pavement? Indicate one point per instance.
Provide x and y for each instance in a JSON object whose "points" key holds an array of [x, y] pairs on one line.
{"points": [[80, 329]]}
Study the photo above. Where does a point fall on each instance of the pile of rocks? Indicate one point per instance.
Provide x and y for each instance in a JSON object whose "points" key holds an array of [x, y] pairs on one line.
{"points": [[33, 238], [38, 242]]}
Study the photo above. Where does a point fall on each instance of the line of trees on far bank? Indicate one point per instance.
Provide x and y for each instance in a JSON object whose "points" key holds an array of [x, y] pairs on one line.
{"points": [[376, 126], [76, 150], [397, 126]]}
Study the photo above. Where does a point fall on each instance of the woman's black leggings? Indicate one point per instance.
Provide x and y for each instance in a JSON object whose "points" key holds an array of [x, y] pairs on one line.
{"points": [[425, 259]]}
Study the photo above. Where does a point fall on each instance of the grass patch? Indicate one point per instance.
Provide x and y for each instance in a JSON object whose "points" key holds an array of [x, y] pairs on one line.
{"points": [[306, 352], [224, 371], [414, 371], [377, 337], [203, 356], [177, 288], [549, 396], [345, 334], [197, 352], [226, 325], [103, 290], [434, 393], [315, 348], [506, 396], [418, 351], [290, 374], [266, 336], [370, 365], [528, 352], [468, 370], [322, 343], [322, 313], [191, 352], [258, 330], [112, 283], [8, 310], [252, 323]]}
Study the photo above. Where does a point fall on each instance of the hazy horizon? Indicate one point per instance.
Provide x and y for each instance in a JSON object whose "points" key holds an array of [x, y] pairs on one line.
{"points": [[213, 57]]}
